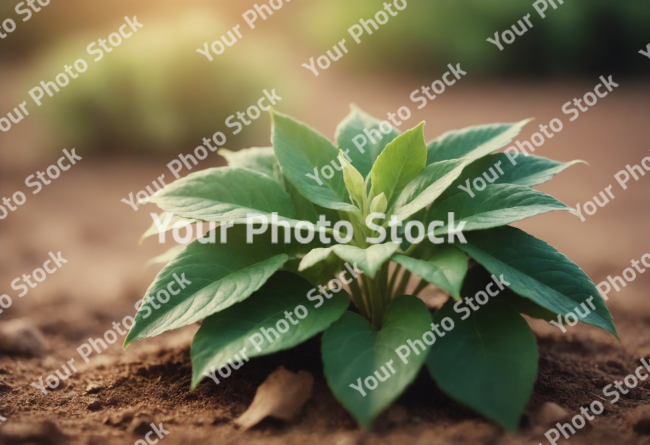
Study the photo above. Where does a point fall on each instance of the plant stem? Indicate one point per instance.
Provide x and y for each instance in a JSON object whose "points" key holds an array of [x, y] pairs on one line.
{"points": [[391, 283], [403, 283], [357, 297]]}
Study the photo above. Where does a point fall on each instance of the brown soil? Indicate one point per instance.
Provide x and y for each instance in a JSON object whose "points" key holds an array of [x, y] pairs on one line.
{"points": [[114, 397]]}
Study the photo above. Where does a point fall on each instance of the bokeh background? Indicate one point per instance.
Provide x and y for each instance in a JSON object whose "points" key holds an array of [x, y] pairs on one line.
{"points": [[155, 97]]}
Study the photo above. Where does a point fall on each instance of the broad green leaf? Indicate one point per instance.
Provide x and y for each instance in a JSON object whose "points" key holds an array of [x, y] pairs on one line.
{"points": [[527, 171], [470, 144], [487, 361], [427, 186], [224, 335], [165, 257], [354, 351], [497, 205], [355, 125], [476, 141], [537, 271], [478, 278], [155, 230], [369, 260], [220, 275], [302, 151], [400, 162], [225, 194], [443, 265], [315, 256], [259, 159]]}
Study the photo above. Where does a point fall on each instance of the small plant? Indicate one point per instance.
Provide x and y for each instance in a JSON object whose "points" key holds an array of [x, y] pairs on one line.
{"points": [[269, 295]]}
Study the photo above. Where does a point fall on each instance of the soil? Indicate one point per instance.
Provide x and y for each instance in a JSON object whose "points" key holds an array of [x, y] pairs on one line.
{"points": [[113, 398]]}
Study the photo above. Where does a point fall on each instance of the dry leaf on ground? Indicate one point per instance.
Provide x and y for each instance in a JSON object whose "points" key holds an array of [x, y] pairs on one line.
{"points": [[282, 396]]}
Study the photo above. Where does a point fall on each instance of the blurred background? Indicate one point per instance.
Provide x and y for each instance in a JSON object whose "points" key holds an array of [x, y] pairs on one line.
{"points": [[154, 97]]}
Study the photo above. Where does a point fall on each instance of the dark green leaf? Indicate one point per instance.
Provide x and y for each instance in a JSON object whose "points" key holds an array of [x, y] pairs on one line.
{"points": [[487, 361], [220, 276], [497, 205], [443, 265], [223, 335], [302, 151], [537, 271], [354, 125], [353, 351]]}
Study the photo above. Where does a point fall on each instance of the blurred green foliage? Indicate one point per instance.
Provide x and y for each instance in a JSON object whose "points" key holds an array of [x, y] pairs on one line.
{"points": [[581, 37]]}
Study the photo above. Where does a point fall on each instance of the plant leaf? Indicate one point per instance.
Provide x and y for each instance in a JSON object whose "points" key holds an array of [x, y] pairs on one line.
{"points": [[354, 182], [224, 334], [315, 256], [301, 149], [154, 230], [427, 186], [487, 362], [472, 141], [369, 260], [259, 159], [537, 271], [400, 162], [470, 144], [528, 171], [354, 125], [225, 194], [478, 278], [220, 276], [497, 205], [353, 350], [443, 265]]}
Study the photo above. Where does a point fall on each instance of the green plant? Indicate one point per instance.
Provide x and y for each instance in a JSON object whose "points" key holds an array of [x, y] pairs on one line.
{"points": [[487, 360]]}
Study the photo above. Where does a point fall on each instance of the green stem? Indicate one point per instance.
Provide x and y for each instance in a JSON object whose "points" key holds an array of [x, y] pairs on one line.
{"points": [[403, 283], [391, 283], [357, 297]]}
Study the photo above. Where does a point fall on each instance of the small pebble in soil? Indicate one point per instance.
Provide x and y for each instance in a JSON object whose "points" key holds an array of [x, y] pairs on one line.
{"points": [[640, 420], [551, 413], [95, 405]]}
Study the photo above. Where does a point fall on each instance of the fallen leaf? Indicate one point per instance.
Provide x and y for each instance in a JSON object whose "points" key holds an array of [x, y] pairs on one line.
{"points": [[282, 395]]}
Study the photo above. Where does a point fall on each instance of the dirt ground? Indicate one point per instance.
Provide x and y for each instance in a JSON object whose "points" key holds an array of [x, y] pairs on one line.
{"points": [[113, 398]]}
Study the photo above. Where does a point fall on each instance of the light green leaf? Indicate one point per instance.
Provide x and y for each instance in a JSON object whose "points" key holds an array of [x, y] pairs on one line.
{"points": [[369, 260], [315, 256], [497, 205], [225, 194], [537, 271], [400, 162], [528, 171], [224, 335], [475, 142], [354, 182], [379, 204], [487, 361], [354, 125], [443, 265], [302, 151], [219, 276], [259, 159], [155, 230], [427, 186], [352, 351]]}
